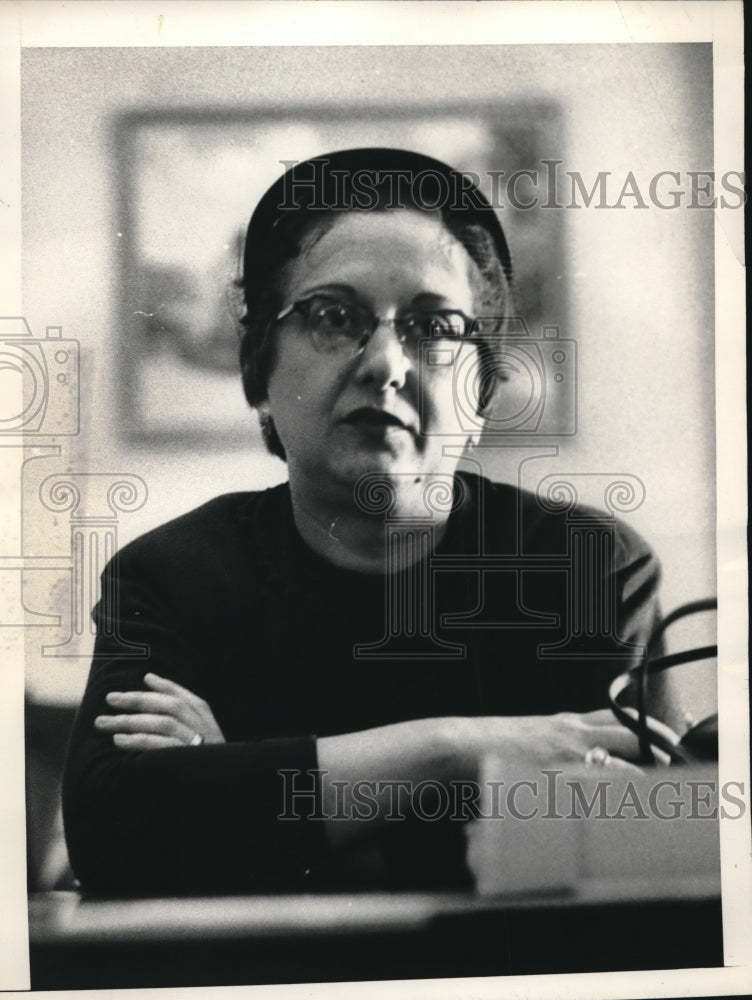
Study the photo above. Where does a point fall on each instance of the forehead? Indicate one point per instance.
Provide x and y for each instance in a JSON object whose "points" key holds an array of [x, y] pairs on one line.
{"points": [[400, 250]]}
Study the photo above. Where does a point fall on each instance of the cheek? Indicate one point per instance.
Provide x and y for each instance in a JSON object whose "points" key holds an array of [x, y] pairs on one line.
{"points": [[300, 389], [285, 378], [288, 368], [453, 393]]}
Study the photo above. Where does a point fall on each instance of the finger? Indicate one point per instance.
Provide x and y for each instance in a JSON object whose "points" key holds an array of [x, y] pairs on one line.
{"points": [[155, 704], [144, 741], [170, 687], [624, 767], [144, 701], [160, 725], [619, 741], [602, 729], [599, 717]]}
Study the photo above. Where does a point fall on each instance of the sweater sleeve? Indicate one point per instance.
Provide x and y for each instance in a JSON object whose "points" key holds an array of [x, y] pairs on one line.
{"points": [[637, 579], [183, 819], [606, 601], [618, 614]]}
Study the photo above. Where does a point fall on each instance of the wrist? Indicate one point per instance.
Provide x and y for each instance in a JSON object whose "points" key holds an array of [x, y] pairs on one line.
{"points": [[455, 746]]}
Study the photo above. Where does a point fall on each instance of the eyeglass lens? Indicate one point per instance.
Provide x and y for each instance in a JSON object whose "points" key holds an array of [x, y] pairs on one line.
{"points": [[341, 326]]}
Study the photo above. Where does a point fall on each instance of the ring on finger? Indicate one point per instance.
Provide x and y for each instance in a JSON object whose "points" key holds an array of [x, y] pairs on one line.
{"points": [[196, 741], [597, 757]]}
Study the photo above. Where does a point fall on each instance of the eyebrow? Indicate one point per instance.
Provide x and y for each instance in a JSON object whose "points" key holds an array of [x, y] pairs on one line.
{"points": [[347, 290], [421, 299]]}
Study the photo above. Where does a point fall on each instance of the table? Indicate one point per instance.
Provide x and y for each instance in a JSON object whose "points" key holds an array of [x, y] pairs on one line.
{"points": [[604, 925]]}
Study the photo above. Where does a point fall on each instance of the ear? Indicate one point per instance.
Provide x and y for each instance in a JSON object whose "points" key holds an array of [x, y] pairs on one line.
{"points": [[265, 417], [264, 413], [269, 431]]}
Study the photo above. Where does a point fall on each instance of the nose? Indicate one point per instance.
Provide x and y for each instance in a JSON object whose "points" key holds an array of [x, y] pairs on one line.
{"points": [[384, 363]]}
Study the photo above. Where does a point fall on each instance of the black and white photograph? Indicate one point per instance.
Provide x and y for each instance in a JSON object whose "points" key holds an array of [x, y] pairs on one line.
{"points": [[374, 573]]}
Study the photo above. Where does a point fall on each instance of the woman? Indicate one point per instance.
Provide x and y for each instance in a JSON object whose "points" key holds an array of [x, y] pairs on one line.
{"points": [[333, 634]]}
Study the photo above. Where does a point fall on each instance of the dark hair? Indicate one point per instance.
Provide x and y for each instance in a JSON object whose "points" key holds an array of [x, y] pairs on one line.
{"points": [[309, 196]]}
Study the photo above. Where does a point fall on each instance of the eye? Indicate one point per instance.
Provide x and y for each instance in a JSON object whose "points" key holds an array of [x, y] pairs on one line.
{"points": [[439, 323], [331, 318]]}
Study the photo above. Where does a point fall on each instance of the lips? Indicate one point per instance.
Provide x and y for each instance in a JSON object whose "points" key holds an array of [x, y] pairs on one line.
{"points": [[373, 417]]}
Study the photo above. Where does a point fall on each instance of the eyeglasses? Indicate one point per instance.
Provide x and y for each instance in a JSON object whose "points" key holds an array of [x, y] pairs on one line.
{"points": [[338, 327]]}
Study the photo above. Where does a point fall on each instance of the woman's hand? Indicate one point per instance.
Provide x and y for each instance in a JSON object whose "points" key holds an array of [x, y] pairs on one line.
{"points": [[166, 716], [453, 749], [535, 741]]}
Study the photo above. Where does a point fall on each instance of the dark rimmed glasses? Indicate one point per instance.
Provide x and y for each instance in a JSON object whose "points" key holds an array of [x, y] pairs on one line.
{"points": [[344, 328]]}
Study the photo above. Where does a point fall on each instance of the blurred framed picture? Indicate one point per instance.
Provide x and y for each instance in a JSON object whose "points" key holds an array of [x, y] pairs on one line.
{"points": [[187, 185]]}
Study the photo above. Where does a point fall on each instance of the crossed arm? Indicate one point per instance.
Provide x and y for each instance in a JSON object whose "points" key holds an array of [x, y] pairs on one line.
{"points": [[147, 811], [446, 750]]}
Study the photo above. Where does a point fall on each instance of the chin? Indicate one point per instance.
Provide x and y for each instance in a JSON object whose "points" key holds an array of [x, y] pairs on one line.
{"points": [[352, 468]]}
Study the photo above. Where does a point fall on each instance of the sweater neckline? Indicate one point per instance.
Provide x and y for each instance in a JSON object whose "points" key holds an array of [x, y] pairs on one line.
{"points": [[288, 557]]}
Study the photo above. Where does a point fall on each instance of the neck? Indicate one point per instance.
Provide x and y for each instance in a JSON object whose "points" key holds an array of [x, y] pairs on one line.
{"points": [[351, 532]]}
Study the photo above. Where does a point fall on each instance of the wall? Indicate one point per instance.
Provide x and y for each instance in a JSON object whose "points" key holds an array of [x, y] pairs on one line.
{"points": [[641, 295]]}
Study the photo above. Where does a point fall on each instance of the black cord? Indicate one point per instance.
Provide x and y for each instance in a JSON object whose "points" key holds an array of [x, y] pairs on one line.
{"points": [[639, 677]]}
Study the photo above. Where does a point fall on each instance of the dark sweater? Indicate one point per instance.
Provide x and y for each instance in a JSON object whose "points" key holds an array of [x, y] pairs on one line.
{"points": [[232, 605]]}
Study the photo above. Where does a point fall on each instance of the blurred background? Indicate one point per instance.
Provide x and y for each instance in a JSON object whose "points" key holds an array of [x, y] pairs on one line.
{"points": [[141, 168]]}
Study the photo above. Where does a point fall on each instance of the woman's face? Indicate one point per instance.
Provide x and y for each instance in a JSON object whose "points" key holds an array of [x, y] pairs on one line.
{"points": [[382, 410]]}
